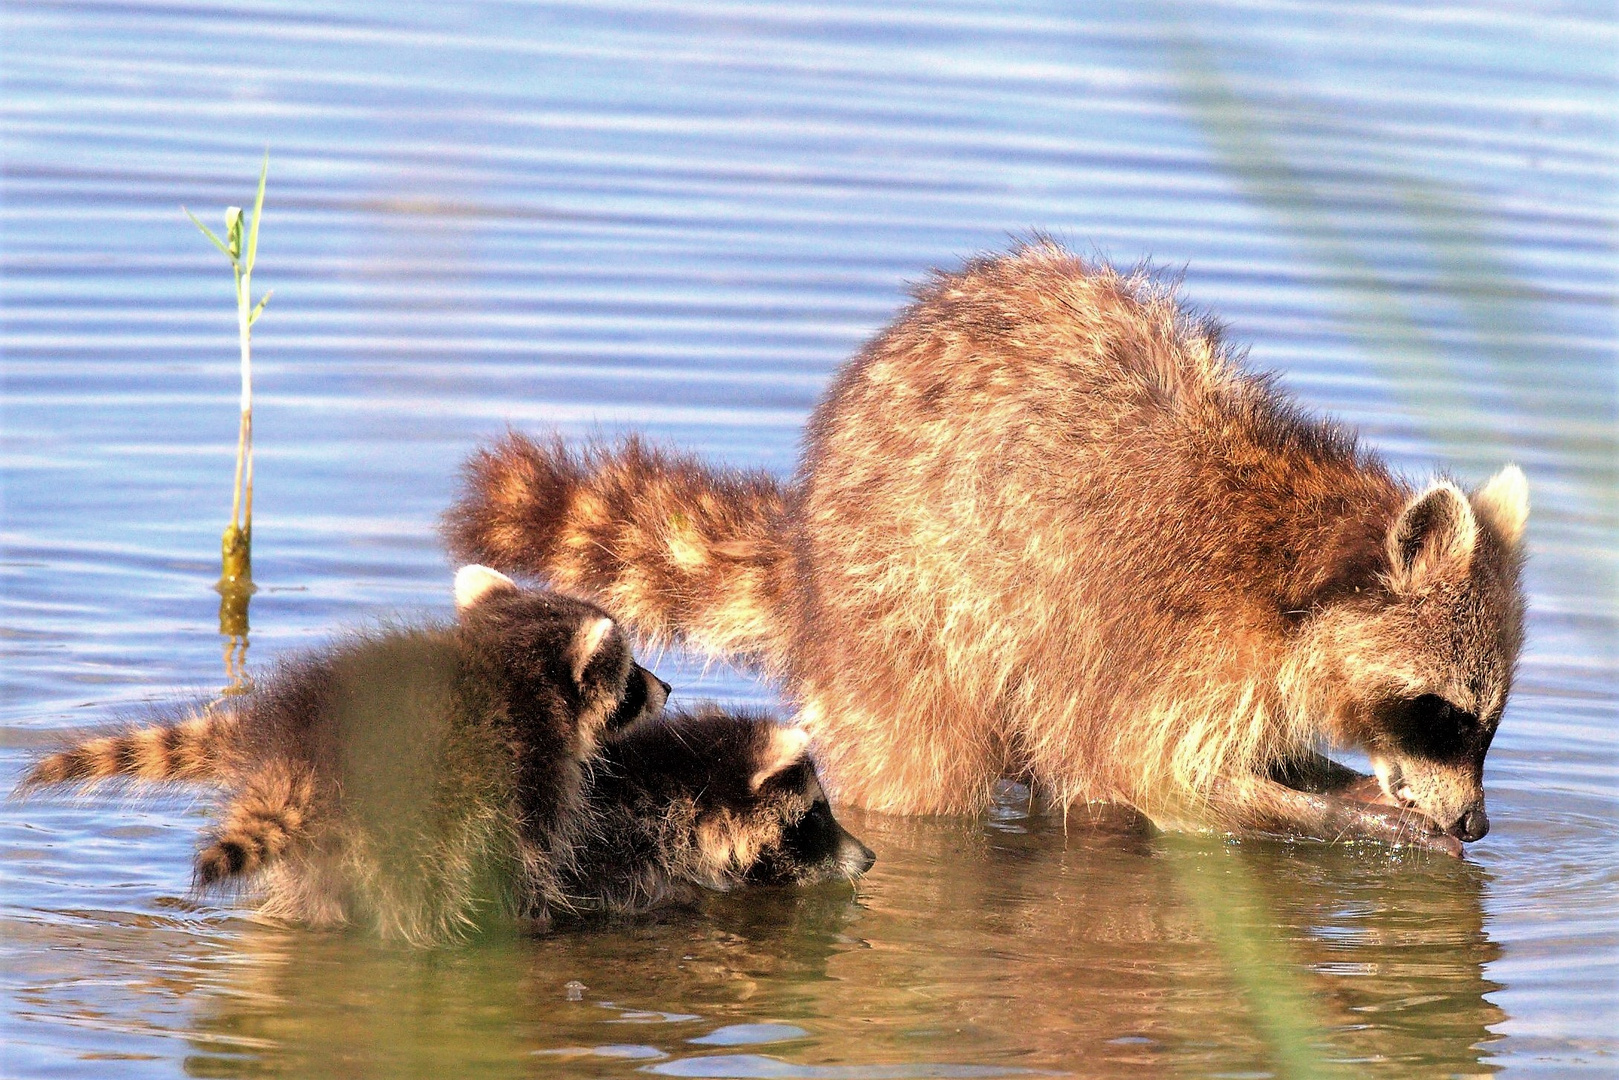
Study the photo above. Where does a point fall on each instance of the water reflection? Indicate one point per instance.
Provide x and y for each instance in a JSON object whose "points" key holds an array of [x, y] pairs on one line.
{"points": [[1087, 945], [1012, 945], [578, 215], [234, 598]]}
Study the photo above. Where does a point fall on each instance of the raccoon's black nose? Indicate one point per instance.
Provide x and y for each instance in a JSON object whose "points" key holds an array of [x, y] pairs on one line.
{"points": [[1471, 825], [856, 857]]}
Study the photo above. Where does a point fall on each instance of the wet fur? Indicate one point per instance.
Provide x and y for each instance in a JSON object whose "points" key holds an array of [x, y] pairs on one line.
{"points": [[1048, 526], [419, 779], [428, 780], [709, 800], [197, 747]]}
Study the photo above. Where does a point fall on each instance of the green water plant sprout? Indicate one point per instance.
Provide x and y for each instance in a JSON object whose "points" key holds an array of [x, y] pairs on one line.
{"points": [[236, 546]]}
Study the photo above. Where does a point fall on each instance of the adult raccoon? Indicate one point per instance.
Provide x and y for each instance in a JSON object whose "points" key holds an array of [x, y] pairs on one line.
{"points": [[426, 780], [1046, 525]]}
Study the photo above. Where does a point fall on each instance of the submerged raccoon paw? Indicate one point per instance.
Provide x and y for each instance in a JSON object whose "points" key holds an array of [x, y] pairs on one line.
{"points": [[1402, 825]]}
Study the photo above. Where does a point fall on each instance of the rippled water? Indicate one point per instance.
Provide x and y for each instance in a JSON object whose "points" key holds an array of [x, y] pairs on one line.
{"points": [[680, 218]]}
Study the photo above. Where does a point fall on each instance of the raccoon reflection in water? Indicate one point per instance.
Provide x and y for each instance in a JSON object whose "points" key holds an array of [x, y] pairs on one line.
{"points": [[1034, 944], [516, 765]]}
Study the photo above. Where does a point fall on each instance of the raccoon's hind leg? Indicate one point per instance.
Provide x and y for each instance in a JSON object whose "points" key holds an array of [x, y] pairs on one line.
{"points": [[881, 751], [272, 812]]}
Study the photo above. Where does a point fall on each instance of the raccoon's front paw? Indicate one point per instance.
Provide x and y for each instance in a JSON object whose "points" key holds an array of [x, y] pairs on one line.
{"points": [[1406, 825], [1368, 790], [1442, 842], [1398, 825], [1430, 837]]}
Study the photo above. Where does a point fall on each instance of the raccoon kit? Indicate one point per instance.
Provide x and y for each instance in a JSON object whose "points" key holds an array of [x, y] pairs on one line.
{"points": [[1046, 525], [708, 800], [513, 766]]}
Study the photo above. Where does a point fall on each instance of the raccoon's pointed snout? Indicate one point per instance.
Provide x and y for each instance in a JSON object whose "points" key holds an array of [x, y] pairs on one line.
{"points": [[854, 857], [1472, 825]]}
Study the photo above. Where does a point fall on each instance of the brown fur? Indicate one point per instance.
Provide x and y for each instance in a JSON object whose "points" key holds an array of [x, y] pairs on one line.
{"points": [[710, 800], [194, 749], [268, 816], [513, 766], [419, 779], [670, 546], [1047, 525]]}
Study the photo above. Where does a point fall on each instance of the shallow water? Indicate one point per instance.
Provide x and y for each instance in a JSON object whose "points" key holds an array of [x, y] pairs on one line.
{"points": [[680, 218]]}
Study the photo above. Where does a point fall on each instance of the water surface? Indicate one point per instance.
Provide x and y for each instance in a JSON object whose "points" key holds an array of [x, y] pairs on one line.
{"points": [[680, 218]]}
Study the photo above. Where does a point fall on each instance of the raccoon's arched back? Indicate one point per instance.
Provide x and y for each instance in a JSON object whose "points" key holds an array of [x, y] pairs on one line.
{"points": [[1048, 517]]}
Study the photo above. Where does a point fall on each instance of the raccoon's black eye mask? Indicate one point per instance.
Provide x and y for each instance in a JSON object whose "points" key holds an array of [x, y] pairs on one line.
{"points": [[639, 698], [813, 836], [1433, 728]]}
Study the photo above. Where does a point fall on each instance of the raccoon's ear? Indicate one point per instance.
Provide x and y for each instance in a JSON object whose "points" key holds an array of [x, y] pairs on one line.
{"points": [[1436, 529], [787, 748], [474, 582], [1504, 503], [586, 644]]}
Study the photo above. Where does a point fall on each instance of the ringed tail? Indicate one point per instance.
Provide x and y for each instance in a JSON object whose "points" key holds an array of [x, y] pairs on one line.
{"points": [[196, 748], [272, 813], [676, 550]]}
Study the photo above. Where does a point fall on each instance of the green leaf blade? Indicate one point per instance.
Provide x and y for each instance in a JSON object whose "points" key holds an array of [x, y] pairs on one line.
{"points": [[254, 317], [209, 233], [258, 214]]}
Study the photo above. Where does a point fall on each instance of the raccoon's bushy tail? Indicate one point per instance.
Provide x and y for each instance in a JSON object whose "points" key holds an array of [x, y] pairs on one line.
{"points": [[674, 549], [196, 748], [274, 811]]}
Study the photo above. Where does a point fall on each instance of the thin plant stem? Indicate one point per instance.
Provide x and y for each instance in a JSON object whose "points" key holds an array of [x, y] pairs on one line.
{"points": [[241, 450], [236, 570], [247, 437], [235, 585]]}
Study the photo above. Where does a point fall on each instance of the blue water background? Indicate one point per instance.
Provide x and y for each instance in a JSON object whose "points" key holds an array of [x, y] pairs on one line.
{"points": [[681, 218]]}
